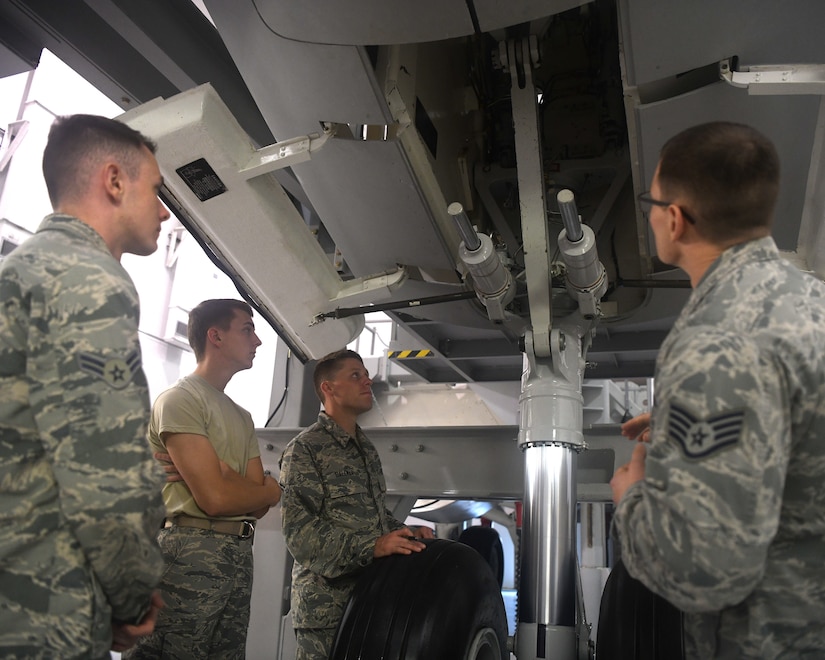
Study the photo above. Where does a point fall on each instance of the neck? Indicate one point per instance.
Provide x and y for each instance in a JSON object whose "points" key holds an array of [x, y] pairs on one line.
{"points": [[96, 217], [699, 257], [216, 377], [348, 422], [697, 263]]}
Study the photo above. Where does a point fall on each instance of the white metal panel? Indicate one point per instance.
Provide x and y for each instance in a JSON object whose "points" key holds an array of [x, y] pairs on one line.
{"points": [[665, 38], [252, 224]]}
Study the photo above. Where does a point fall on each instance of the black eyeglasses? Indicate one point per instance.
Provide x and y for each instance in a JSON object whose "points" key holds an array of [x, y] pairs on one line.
{"points": [[645, 198]]}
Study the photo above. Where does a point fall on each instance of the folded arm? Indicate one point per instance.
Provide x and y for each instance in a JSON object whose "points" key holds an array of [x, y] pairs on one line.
{"points": [[218, 489]]}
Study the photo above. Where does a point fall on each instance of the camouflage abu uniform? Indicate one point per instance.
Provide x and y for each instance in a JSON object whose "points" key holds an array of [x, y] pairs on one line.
{"points": [[729, 522], [79, 490], [333, 511]]}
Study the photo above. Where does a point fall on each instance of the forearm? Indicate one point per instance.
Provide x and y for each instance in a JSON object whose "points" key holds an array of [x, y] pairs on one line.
{"points": [[114, 508], [125, 561], [696, 564], [260, 513], [327, 549], [255, 473], [235, 495]]}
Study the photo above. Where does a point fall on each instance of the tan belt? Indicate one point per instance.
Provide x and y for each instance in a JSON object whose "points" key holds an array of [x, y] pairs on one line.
{"points": [[243, 529]]}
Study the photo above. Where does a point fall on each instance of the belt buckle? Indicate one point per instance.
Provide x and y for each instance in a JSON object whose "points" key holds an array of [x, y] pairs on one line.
{"points": [[248, 530]]}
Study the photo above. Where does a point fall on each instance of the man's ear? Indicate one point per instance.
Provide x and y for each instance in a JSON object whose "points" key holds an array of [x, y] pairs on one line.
{"points": [[676, 222], [213, 335], [113, 182], [326, 389]]}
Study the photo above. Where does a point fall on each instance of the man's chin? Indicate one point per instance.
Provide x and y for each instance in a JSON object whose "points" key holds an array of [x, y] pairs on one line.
{"points": [[143, 250]]}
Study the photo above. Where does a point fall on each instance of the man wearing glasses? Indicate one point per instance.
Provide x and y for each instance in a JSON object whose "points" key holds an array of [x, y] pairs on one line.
{"points": [[722, 511]]}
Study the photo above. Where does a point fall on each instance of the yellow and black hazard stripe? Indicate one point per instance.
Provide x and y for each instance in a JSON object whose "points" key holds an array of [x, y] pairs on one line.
{"points": [[408, 355]]}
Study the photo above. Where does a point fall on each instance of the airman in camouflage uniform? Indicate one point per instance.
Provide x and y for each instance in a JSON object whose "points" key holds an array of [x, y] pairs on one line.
{"points": [[334, 517], [79, 490], [724, 514]]}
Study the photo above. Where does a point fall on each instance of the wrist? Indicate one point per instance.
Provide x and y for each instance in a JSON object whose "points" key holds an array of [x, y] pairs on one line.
{"points": [[136, 621]]}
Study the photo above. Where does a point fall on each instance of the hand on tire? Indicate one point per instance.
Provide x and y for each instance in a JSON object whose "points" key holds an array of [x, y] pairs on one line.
{"points": [[398, 542]]}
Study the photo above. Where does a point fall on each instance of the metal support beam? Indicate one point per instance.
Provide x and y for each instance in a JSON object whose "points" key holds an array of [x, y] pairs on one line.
{"points": [[468, 462], [521, 56]]}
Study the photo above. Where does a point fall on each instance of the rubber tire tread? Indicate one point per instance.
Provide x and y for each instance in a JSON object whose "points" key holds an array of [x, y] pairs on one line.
{"points": [[428, 605], [635, 623], [487, 542]]}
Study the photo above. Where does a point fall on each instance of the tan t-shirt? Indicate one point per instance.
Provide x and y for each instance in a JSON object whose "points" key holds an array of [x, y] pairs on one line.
{"points": [[193, 406]]}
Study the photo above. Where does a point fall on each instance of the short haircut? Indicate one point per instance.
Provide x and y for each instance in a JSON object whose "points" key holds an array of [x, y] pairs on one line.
{"points": [[329, 365], [215, 313], [729, 174], [78, 143]]}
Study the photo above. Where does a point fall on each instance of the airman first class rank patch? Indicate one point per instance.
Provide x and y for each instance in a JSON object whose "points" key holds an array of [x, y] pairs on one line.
{"points": [[700, 438], [117, 372]]}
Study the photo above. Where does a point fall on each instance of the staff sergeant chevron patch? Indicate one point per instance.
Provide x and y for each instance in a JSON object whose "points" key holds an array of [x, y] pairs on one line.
{"points": [[700, 438], [115, 371]]}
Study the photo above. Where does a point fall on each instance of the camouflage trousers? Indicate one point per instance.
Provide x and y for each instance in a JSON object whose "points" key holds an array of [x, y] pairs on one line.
{"points": [[207, 586], [314, 643]]}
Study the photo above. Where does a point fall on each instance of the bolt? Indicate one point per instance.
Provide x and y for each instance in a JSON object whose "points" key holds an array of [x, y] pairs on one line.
{"points": [[403, 476], [393, 447], [419, 448]]}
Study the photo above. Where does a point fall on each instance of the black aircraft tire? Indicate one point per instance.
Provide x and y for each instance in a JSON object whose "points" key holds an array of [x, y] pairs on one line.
{"points": [[440, 604], [486, 541]]}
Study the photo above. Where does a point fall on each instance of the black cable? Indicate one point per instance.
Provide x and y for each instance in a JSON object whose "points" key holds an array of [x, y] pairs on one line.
{"points": [[473, 16], [426, 504], [344, 312], [654, 284], [286, 389]]}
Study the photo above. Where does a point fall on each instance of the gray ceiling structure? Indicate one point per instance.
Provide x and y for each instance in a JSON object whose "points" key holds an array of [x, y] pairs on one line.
{"points": [[616, 80]]}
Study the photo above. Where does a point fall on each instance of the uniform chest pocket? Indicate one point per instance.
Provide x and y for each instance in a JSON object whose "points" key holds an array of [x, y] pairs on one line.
{"points": [[348, 500], [346, 485]]}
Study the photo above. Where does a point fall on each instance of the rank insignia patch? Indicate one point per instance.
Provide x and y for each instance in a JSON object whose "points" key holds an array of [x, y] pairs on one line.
{"points": [[700, 438], [117, 372]]}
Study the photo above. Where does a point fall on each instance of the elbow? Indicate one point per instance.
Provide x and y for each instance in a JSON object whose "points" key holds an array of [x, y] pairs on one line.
{"points": [[708, 598], [214, 506], [702, 590], [273, 491]]}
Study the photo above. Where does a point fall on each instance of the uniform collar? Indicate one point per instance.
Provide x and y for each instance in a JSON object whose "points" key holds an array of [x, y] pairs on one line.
{"points": [[336, 430], [729, 263], [68, 224], [732, 259]]}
